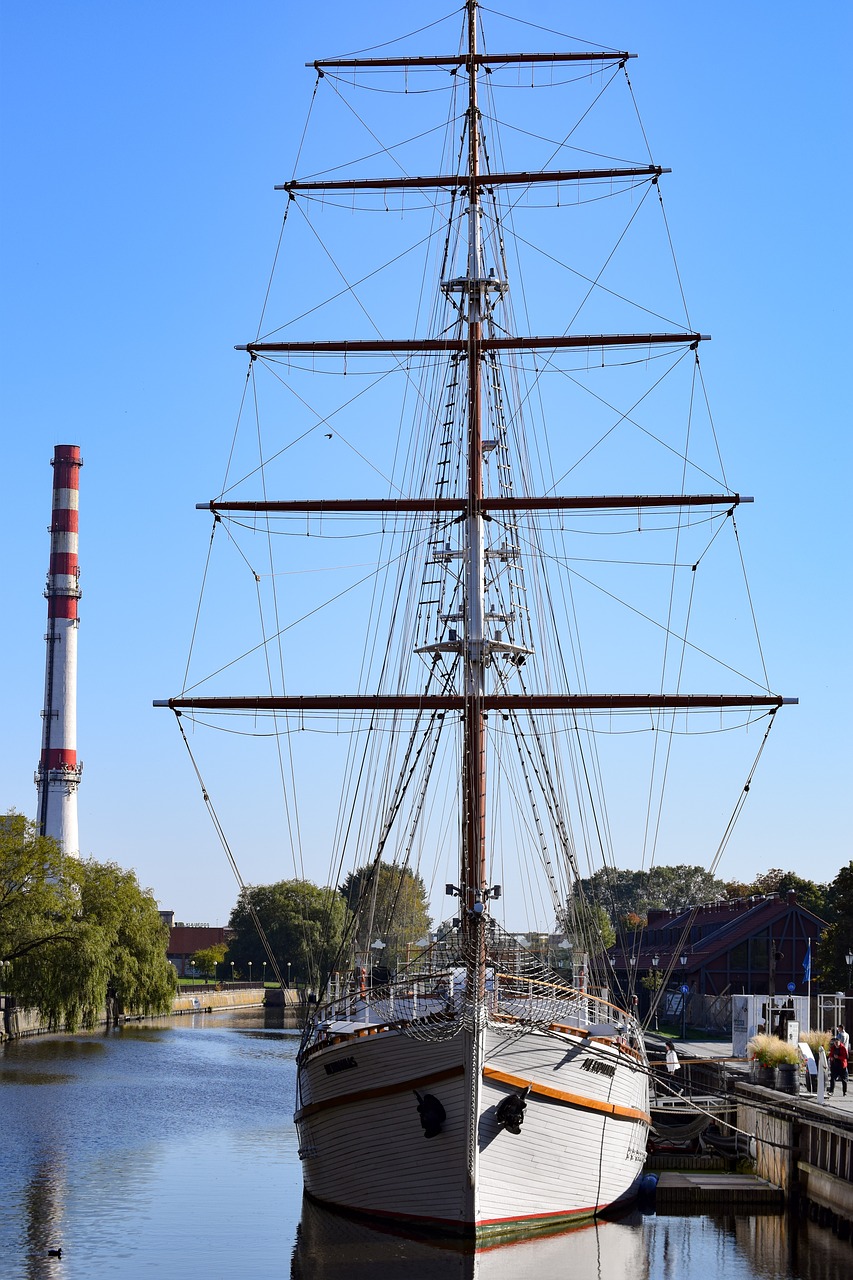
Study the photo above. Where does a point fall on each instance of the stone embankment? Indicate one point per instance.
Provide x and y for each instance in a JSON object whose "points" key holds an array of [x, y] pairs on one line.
{"points": [[16, 1022]]}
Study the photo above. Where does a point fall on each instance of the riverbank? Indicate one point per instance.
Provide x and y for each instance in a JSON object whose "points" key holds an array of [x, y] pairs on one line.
{"points": [[17, 1023]]}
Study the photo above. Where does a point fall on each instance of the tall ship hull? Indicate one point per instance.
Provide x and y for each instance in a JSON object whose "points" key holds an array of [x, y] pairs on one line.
{"points": [[581, 1146]]}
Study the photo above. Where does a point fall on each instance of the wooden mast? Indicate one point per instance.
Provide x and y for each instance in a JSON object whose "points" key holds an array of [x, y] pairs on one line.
{"points": [[473, 877]]}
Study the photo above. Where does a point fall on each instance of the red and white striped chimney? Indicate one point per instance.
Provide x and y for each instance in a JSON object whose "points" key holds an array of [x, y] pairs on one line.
{"points": [[59, 773]]}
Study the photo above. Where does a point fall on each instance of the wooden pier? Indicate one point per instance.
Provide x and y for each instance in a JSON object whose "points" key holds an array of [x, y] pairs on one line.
{"points": [[698, 1190]]}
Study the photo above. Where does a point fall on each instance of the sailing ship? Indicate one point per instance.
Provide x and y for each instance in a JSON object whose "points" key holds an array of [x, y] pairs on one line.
{"points": [[479, 1085]]}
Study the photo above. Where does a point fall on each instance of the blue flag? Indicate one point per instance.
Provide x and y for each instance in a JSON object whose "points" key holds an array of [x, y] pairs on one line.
{"points": [[807, 963]]}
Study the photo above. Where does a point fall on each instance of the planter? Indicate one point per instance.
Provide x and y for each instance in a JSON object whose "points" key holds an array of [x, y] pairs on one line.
{"points": [[765, 1076], [788, 1078]]}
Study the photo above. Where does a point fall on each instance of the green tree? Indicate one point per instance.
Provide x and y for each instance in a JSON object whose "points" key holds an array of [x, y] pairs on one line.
{"points": [[37, 902], [815, 897], [303, 924], [77, 932], [625, 894], [837, 940], [207, 958], [811, 895], [392, 904]]}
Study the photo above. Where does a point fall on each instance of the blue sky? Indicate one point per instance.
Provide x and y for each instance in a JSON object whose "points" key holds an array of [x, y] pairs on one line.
{"points": [[141, 144]]}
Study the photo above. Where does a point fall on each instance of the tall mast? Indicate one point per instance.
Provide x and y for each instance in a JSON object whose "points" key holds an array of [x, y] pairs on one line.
{"points": [[473, 878]]}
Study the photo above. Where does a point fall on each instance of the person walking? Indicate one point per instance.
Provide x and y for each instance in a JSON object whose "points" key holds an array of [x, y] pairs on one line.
{"points": [[838, 1061]]}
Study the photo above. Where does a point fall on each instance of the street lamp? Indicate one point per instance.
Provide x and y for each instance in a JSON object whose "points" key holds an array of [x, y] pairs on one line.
{"points": [[264, 974], [849, 959], [683, 959], [655, 963], [288, 975], [250, 972], [232, 970]]}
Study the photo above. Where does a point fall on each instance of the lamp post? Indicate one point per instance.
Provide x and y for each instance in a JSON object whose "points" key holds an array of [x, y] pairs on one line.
{"points": [[849, 959], [264, 973], [250, 972], [683, 1000], [232, 970], [655, 963], [288, 975]]}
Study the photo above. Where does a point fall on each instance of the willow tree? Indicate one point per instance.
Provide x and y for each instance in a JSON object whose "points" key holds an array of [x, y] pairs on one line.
{"points": [[76, 932]]}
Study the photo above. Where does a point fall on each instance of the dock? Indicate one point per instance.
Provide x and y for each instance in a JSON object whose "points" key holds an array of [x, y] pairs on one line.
{"points": [[800, 1150], [699, 1190]]}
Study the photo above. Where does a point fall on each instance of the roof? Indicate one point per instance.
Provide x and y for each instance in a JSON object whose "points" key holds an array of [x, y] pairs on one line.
{"points": [[721, 926]]}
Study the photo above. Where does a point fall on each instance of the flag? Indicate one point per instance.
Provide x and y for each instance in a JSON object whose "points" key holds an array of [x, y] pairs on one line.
{"points": [[807, 963]]}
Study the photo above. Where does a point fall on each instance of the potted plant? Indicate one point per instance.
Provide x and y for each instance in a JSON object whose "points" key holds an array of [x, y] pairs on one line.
{"points": [[764, 1052], [788, 1068]]}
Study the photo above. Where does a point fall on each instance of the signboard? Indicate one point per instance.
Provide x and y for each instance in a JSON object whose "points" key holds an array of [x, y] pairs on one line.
{"points": [[792, 986], [685, 991]]}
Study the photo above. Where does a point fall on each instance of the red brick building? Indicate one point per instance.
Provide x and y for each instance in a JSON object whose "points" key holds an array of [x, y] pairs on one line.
{"points": [[186, 939]]}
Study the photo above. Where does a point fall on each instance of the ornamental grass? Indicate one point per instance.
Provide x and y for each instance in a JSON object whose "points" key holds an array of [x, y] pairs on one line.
{"points": [[770, 1051]]}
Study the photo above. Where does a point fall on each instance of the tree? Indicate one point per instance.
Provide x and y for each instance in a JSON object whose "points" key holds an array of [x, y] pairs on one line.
{"points": [[37, 902], [303, 925], [626, 894], [77, 933], [390, 906], [811, 895], [837, 940], [208, 958]]}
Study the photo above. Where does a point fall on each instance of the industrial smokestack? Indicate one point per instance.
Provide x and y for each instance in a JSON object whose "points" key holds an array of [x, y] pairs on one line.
{"points": [[59, 773]]}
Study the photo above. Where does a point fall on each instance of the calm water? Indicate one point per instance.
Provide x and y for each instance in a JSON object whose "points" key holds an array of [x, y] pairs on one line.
{"points": [[168, 1149]]}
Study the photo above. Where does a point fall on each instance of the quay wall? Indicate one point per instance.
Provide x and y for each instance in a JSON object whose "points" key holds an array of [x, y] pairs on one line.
{"points": [[16, 1022], [804, 1148]]}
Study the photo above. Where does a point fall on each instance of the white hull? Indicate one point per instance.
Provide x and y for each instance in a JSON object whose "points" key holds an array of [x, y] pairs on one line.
{"points": [[581, 1147]]}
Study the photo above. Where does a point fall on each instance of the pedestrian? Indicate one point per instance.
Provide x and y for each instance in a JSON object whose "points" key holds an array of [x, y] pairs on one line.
{"points": [[672, 1063], [842, 1034], [837, 1064]]}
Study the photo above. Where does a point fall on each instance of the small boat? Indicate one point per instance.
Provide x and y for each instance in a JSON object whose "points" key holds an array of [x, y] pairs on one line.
{"points": [[492, 1080]]}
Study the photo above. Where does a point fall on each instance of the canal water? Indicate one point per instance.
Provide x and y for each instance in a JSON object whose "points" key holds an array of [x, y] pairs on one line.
{"points": [[167, 1149]]}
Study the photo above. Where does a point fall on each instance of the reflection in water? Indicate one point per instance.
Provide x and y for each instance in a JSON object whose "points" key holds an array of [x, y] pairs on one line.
{"points": [[43, 1205], [779, 1245], [330, 1245]]}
